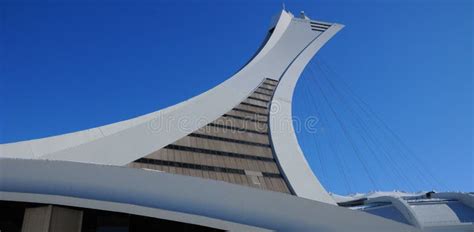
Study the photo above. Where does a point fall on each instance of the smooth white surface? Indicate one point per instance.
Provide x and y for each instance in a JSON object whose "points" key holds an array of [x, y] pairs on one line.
{"points": [[401, 206], [205, 199], [447, 211], [285, 143]]}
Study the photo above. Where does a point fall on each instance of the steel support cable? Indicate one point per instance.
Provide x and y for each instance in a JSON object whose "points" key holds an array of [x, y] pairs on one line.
{"points": [[393, 150], [427, 173], [317, 146], [369, 131], [314, 105], [358, 124], [373, 140], [340, 165], [347, 135], [319, 149], [368, 136], [339, 162], [360, 103]]}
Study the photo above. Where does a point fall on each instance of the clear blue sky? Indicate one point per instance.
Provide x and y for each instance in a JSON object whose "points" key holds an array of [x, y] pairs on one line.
{"points": [[76, 65]]}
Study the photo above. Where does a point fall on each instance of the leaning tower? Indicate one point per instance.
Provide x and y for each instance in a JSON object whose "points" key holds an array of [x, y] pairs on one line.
{"points": [[227, 159]]}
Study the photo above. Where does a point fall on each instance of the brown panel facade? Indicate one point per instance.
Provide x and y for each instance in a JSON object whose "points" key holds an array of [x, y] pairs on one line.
{"points": [[235, 148]]}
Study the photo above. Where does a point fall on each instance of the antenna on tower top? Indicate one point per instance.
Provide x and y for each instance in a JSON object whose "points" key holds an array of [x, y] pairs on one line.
{"points": [[283, 5]]}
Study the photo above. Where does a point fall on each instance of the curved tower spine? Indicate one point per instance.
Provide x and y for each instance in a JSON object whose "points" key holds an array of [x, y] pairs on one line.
{"points": [[228, 133]]}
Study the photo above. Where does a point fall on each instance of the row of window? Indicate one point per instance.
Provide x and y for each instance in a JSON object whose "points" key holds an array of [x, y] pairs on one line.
{"points": [[219, 153], [228, 140], [237, 129], [253, 105], [320, 24], [271, 175], [244, 118], [258, 99], [266, 94], [260, 87], [270, 84], [200, 167], [190, 166], [317, 29], [271, 80]]}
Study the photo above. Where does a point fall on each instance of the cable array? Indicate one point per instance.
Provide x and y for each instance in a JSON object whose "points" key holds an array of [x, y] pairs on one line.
{"points": [[353, 146]]}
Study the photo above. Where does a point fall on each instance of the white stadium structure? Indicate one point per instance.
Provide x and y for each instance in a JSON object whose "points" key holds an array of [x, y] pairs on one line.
{"points": [[225, 160]]}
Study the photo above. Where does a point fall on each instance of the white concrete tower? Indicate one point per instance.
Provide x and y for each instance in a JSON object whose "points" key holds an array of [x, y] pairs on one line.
{"points": [[173, 163]]}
